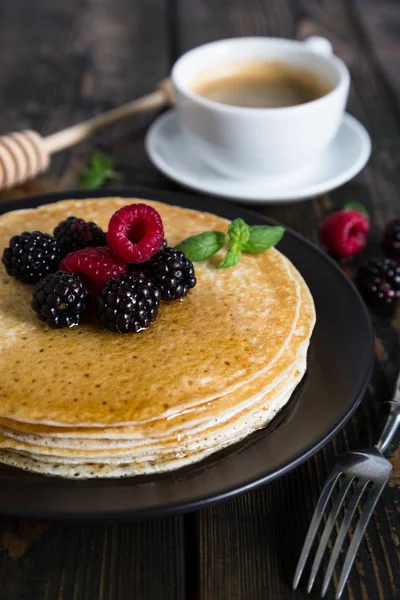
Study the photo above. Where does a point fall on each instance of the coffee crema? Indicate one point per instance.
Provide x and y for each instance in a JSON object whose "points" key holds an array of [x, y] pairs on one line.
{"points": [[260, 84]]}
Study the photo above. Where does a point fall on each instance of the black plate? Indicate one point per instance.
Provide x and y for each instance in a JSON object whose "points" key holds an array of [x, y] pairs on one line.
{"points": [[339, 367]]}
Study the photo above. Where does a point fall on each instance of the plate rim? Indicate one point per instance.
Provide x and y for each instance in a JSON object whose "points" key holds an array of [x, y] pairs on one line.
{"points": [[268, 200], [198, 501]]}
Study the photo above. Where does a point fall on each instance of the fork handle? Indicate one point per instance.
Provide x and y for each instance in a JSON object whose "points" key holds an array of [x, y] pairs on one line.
{"points": [[391, 426]]}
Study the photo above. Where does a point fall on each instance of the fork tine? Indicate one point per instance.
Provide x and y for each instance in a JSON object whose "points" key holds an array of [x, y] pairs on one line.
{"points": [[355, 498], [367, 511], [313, 528], [328, 529]]}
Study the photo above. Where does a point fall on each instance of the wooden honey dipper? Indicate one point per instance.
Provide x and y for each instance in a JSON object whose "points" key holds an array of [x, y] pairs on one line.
{"points": [[24, 154]]}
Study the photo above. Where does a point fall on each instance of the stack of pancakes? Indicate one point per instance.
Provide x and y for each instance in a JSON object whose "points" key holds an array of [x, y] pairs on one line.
{"points": [[215, 366]]}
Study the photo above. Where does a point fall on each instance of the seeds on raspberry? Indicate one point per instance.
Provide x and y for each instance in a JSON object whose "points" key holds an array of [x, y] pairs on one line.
{"points": [[95, 266], [344, 233], [135, 232]]}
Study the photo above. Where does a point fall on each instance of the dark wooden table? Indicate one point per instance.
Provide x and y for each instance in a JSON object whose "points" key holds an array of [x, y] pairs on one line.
{"points": [[61, 62]]}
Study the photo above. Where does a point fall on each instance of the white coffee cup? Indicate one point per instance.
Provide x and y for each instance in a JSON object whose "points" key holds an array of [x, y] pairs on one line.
{"points": [[245, 142]]}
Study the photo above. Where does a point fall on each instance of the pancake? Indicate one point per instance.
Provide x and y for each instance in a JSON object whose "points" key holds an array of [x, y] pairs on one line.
{"points": [[150, 463], [123, 437], [215, 340], [213, 368], [246, 420]]}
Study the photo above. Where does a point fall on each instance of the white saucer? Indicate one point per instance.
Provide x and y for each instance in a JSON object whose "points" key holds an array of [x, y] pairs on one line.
{"points": [[345, 157]]}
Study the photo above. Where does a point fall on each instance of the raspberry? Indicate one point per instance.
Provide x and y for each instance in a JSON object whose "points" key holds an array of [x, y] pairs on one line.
{"points": [[379, 281], [391, 240], [74, 234], [135, 232], [94, 266], [344, 233], [129, 303], [60, 299]]}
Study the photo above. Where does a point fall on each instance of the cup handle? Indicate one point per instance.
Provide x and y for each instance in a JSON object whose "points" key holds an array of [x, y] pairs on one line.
{"points": [[319, 45]]}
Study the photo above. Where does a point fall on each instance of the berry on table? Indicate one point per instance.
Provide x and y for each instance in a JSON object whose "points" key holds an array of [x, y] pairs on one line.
{"points": [[95, 266], [31, 256], [135, 232], [128, 304], [344, 233], [74, 234], [60, 299], [172, 272], [379, 281], [391, 239]]}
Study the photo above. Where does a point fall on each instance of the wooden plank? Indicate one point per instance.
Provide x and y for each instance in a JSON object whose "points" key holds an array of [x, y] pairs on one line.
{"points": [[61, 62], [91, 562], [78, 59], [379, 24], [249, 547]]}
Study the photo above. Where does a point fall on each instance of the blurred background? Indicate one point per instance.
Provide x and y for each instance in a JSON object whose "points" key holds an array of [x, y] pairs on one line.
{"points": [[63, 61]]}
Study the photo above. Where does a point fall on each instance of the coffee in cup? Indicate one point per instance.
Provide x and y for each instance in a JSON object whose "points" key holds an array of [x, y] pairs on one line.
{"points": [[260, 84]]}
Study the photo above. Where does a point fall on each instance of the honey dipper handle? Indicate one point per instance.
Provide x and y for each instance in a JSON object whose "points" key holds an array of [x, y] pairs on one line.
{"points": [[72, 135]]}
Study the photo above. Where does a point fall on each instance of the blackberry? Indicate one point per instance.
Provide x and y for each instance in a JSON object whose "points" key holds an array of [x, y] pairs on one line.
{"points": [[129, 303], [60, 299], [75, 234], [379, 281], [391, 239], [172, 272], [31, 256]]}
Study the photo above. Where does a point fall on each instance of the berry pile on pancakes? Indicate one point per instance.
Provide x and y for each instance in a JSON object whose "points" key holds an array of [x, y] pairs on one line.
{"points": [[219, 363]]}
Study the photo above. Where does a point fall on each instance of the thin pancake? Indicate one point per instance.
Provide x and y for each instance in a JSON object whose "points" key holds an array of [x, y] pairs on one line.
{"points": [[139, 434], [230, 425], [147, 464], [228, 331], [245, 420]]}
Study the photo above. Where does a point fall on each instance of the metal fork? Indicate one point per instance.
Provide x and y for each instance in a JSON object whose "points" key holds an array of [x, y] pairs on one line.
{"points": [[358, 469]]}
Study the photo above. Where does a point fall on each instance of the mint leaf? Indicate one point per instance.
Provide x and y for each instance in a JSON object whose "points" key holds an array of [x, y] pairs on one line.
{"points": [[262, 237], [99, 172], [231, 259], [356, 206], [202, 246], [239, 233], [101, 162], [92, 179]]}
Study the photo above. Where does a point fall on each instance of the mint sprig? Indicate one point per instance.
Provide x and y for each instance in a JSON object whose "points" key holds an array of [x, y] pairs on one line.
{"points": [[251, 239], [99, 171], [239, 233], [242, 238], [202, 246], [231, 258]]}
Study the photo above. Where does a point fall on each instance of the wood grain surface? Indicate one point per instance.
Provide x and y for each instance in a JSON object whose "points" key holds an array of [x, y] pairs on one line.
{"points": [[61, 62]]}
